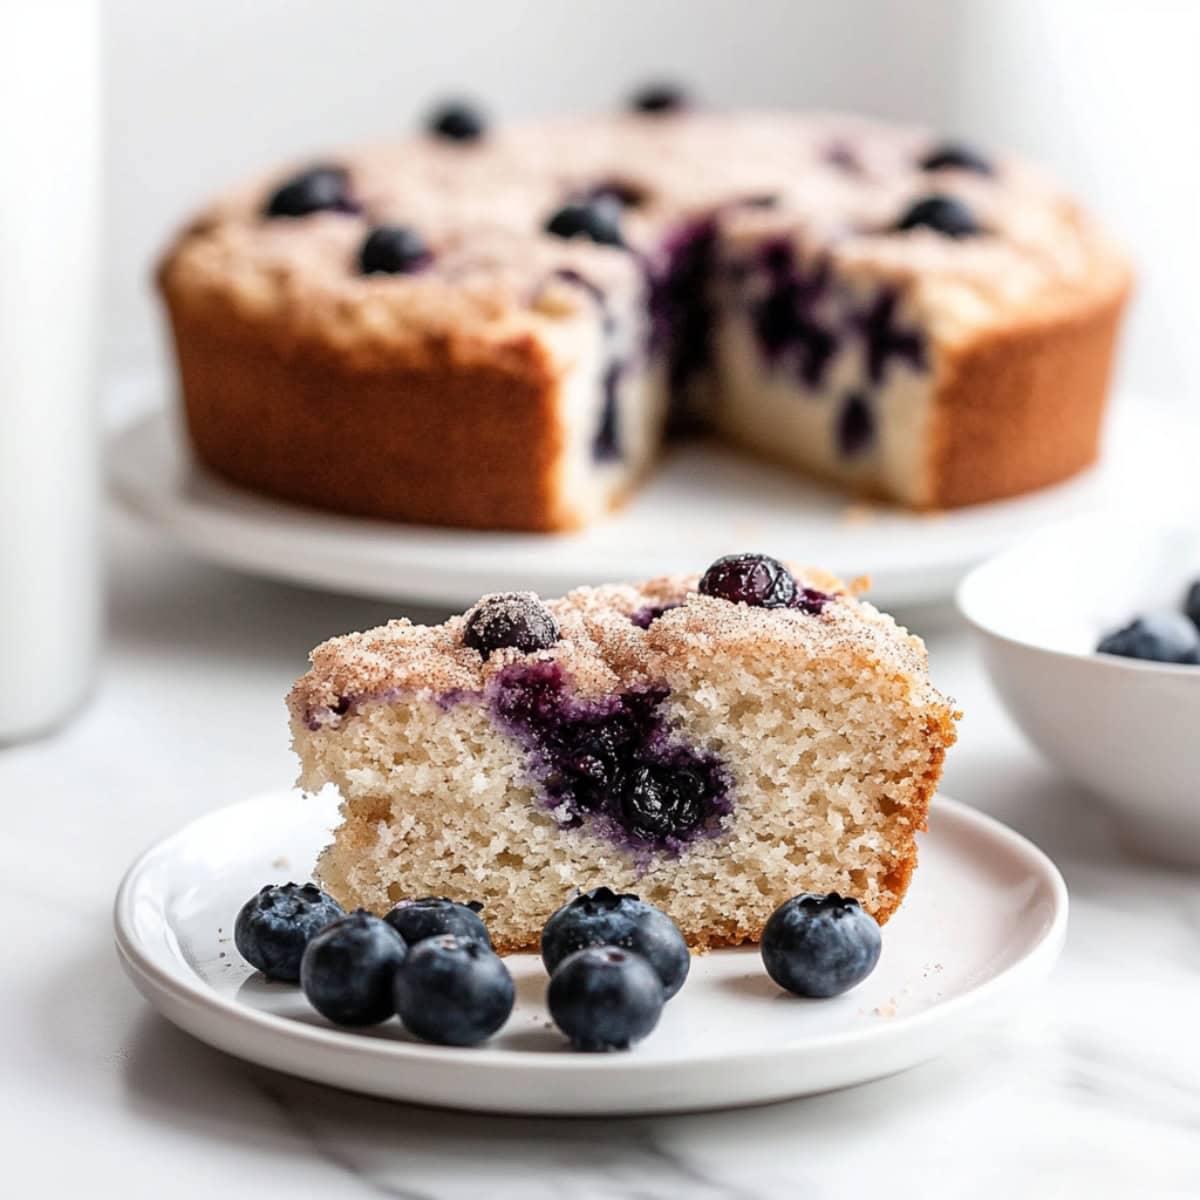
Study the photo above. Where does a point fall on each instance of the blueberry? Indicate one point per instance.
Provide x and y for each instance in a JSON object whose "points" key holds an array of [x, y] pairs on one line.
{"points": [[605, 998], [1191, 603], [393, 250], [275, 925], [505, 619], [603, 917], [661, 801], [855, 426], [1161, 636], [348, 969], [617, 192], [457, 121], [454, 991], [942, 214], [820, 945], [956, 156], [811, 601], [321, 188], [598, 220], [754, 579], [658, 98], [645, 617], [434, 916]]}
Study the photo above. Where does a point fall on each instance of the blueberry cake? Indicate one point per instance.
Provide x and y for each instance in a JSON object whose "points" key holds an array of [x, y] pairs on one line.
{"points": [[497, 327], [715, 744]]}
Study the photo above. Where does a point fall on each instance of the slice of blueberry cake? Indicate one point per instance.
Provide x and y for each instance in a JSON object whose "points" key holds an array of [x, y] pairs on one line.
{"points": [[490, 326], [716, 744]]}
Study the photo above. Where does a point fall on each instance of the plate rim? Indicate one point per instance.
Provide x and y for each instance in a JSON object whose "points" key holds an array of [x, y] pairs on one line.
{"points": [[199, 998], [204, 529]]}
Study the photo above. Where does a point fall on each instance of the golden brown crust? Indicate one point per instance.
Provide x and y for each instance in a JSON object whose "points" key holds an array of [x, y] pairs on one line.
{"points": [[416, 443], [1022, 408]]}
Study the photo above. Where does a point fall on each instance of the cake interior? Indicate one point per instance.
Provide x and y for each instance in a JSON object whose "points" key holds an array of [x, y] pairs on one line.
{"points": [[767, 345], [732, 781]]}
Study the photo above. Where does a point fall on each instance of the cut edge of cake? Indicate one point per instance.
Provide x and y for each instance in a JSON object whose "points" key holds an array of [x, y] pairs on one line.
{"points": [[811, 742]]}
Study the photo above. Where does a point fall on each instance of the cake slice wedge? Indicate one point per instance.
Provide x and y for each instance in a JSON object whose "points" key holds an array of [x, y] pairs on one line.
{"points": [[716, 744]]}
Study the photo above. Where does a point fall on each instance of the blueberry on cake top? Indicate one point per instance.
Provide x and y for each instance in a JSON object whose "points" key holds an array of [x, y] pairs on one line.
{"points": [[716, 760], [908, 316]]}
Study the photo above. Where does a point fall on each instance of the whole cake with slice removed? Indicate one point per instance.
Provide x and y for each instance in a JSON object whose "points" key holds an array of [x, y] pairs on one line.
{"points": [[716, 744], [488, 326]]}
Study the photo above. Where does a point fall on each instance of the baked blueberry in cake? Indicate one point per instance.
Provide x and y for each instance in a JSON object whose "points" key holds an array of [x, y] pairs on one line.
{"points": [[764, 734], [497, 326]]}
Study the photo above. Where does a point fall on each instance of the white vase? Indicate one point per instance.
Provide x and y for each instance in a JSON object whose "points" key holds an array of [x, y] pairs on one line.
{"points": [[49, 240]]}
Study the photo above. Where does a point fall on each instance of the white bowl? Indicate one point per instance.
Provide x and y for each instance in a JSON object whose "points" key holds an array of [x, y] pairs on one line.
{"points": [[1128, 731]]}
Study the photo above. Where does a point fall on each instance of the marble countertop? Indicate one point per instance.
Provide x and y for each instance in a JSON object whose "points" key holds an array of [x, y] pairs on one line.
{"points": [[1091, 1090]]}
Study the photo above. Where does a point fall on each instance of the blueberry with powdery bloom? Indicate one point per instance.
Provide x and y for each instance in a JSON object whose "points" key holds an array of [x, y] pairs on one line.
{"points": [[277, 923], [603, 917], [605, 998], [457, 121], [754, 579], [657, 98], [348, 969], [322, 188], [820, 945], [597, 220], [393, 250], [943, 214], [516, 619], [957, 156], [436, 916], [453, 991]]}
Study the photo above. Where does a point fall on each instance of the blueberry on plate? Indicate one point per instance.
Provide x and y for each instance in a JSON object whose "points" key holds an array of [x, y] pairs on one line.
{"points": [[322, 188], [1191, 604], [595, 219], [957, 156], [453, 991], [754, 579], [943, 214], [605, 998], [820, 946], [276, 923], [393, 250], [1161, 636], [348, 969], [517, 619], [457, 121], [434, 916], [657, 98], [603, 917]]}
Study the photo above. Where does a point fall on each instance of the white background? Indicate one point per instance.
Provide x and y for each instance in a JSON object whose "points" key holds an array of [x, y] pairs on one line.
{"points": [[1105, 90]]}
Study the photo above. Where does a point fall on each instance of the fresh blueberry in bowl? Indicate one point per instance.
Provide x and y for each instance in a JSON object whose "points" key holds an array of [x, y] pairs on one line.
{"points": [[348, 969], [946, 215], [321, 188], [454, 991], [754, 579], [598, 220], [820, 945], [1161, 636], [957, 156], [510, 619], [657, 98], [277, 922], [457, 121], [435, 916], [603, 917], [605, 998], [393, 250], [1191, 604]]}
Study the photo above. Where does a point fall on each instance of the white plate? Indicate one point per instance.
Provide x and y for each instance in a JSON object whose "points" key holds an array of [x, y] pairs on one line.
{"points": [[702, 503], [983, 922]]}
